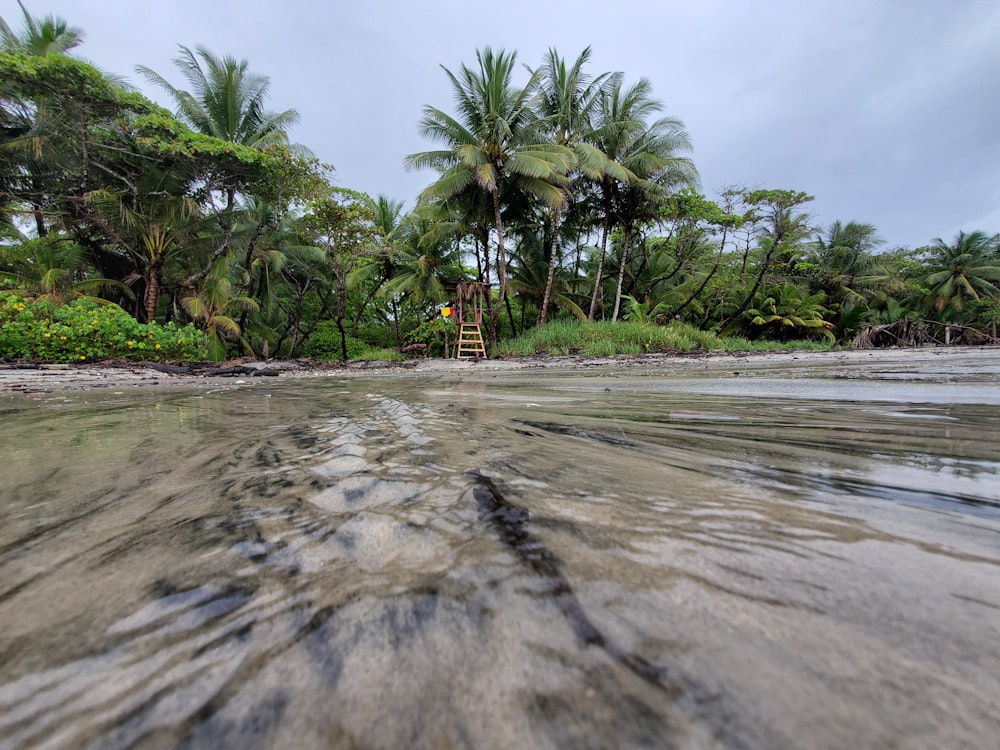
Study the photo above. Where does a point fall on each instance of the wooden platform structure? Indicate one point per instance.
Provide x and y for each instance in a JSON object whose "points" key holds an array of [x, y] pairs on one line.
{"points": [[469, 298]]}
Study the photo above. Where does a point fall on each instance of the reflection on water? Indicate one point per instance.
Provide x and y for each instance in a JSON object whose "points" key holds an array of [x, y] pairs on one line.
{"points": [[549, 561]]}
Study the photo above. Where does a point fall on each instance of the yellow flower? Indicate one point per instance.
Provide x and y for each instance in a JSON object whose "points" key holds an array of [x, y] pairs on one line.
{"points": [[47, 335], [61, 338], [157, 346], [82, 357], [131, 344]]}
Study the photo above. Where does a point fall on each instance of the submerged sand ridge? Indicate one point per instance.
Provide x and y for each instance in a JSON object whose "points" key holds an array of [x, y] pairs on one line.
{"points": [[733, 551]]}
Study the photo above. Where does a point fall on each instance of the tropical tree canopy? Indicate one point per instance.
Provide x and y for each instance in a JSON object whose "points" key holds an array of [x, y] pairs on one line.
{"points": [[567, 191]]}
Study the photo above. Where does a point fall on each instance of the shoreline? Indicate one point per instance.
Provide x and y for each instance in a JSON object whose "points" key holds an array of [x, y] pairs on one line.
{"points": [[54, 378]]}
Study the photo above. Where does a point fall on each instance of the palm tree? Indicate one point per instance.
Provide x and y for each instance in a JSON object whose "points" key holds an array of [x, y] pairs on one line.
{"points": [[226, 101], [849, 270], [49, 36], [846, 258], [494, 143], [620, 121], [53, 269], [963, 270], [653, 159], [781, 230], [28, 125], [152, 233], [789, 311], [424, 259], [567, 101], [530, 278], [215, 309]]}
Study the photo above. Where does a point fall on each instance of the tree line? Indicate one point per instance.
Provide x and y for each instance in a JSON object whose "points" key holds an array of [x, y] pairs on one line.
{"points": [[571, 193]]}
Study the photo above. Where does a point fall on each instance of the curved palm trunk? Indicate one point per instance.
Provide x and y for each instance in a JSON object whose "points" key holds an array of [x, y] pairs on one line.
{"points": [[543, 312], [704, 283], [756, 285]]}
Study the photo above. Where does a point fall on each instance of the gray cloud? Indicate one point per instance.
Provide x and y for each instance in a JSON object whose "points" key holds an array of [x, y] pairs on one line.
{"points": [[886, 111]]}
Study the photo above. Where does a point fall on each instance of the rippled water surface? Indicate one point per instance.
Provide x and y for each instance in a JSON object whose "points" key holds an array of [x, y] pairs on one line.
{"points": [[803, 557]]}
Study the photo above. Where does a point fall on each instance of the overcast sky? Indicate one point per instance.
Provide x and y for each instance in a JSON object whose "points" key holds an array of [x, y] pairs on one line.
{"points": [[887, 111]]}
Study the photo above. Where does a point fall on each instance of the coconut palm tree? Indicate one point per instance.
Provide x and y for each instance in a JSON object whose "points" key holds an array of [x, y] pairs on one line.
{"points": [[789, 312], [654, 160], [226, 101], [53, 269], [567, 100], [215, 308], [47, 36], [152, 232], [424, 260], [619, 122], [494, 143], [963, 270]]}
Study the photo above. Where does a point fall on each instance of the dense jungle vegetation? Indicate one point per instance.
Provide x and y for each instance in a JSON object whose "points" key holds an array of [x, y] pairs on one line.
{"points": [[129, 230]]}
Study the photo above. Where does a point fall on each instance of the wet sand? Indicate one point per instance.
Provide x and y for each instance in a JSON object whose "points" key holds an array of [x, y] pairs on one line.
{"points": [[41, 379], [793, 550]]}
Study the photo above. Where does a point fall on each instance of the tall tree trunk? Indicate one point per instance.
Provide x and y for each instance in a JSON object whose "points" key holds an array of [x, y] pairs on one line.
{"points": [[621, 272], [600, 263], [501, 263], [341, 311], [153, 290], [543, 312]]}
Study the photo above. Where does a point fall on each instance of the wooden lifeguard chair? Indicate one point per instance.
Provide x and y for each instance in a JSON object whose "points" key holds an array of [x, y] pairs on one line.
{"points": [[469, 343]]}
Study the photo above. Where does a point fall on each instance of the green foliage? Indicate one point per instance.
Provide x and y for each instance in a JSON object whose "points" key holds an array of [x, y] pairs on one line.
{"points": [[83, 331], [432, 333], [324, 344], [562, 337], [790, 312]]}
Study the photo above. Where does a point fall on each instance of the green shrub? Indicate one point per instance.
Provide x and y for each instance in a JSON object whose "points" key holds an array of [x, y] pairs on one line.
{"points": [[604, 339], [433, 333], [324, 343], [83, 330]]}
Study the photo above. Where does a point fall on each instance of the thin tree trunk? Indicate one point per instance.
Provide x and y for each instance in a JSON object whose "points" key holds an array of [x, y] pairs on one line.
{"points": [[543, 312], [756, 285], [341, 309], [501, 263], [600, 263], [689, 300], [621, 272]]}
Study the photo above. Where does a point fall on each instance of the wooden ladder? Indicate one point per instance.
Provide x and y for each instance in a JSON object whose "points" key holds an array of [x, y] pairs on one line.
{"points": [[469, 343]]}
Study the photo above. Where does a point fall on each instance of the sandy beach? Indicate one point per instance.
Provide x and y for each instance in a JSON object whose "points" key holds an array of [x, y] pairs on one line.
{"points": [[53, 378]]}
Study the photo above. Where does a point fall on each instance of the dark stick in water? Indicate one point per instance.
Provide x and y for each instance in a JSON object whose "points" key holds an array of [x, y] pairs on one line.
{"points": [[510, 521]]}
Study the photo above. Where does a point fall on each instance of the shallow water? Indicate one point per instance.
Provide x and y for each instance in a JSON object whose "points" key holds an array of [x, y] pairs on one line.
{"points": [[783, 557]]}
